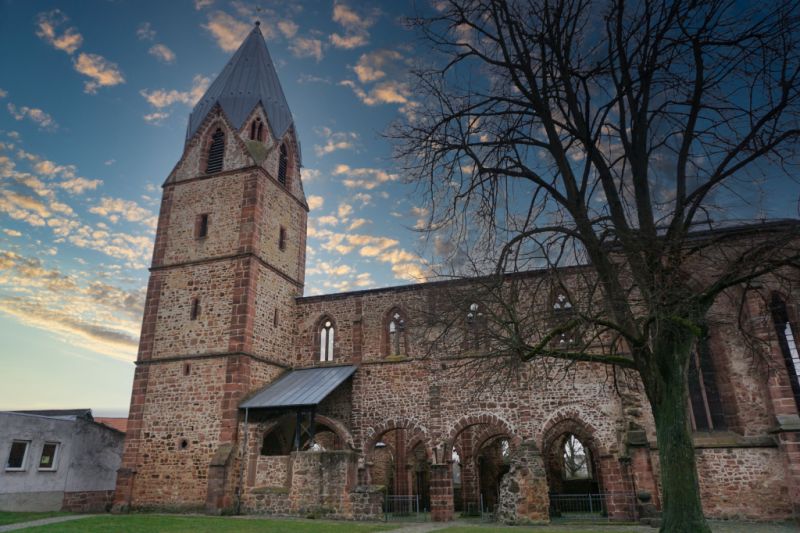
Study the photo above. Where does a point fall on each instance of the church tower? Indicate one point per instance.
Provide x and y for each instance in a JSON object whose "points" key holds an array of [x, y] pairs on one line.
{"points": [[228, 263]]}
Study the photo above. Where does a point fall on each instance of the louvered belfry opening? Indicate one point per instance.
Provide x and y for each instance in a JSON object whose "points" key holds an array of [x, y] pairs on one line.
{"points": [[283, 163], [216, 152]]}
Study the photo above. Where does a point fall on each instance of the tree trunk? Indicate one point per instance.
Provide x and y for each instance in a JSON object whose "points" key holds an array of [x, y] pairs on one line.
{"points": [[668, 392]]}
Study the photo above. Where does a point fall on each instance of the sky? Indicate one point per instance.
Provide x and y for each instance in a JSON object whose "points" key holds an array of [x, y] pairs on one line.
{"points": [[94, 101]]}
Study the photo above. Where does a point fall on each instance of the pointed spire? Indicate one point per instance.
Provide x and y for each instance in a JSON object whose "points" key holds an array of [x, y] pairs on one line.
{"points": [[249, 77]]}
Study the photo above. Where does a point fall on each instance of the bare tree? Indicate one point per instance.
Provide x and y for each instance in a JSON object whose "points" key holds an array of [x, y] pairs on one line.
{"points": [[620, 139]]}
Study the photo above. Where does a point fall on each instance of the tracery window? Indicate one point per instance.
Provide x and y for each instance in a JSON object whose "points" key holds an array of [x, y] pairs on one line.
{"points": [[216, 152], [283, 164], [326, 332], [576, 459], [476, 323], [396, 333], [563, 312], [787, 340], [704, 397]]}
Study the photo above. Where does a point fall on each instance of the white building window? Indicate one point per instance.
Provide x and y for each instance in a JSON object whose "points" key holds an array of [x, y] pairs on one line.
{"points": [[49, 458], [17, 457]]}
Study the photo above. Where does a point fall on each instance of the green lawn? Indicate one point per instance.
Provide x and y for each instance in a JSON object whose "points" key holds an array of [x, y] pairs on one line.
{"points": [[202, 524], [12, 518]]}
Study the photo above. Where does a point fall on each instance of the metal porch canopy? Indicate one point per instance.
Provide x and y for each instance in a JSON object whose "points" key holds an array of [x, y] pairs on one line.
{"points": [[300, 388]]}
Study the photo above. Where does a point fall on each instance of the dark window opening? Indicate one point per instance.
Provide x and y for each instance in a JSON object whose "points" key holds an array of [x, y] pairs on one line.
{"points": [[202, 226], [216, 152], [260, 132], [282, 239], [187, 369], [184, 444], [48, 459], [275, 318], [16, 457], [705, 401], [785, 331], [283, 163], [195, 308]]}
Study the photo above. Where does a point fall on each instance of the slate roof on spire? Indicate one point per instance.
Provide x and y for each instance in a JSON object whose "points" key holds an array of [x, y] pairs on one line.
{"points": [[249, 77]]}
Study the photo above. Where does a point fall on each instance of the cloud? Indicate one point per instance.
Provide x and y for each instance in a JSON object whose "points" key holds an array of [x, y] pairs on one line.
{"points": [[161, 98], [322, 267], [48, 168], [328, 220], [3, 93], [94, 315], [372, 66], [44, 120], [162, 53], [409, 271], [47, 24], [114, 208], [145, 32], [103, 73], [356, 27], [288, 28], [155, 118], [357, 223], [344, 211], [315, 202], [307, 47], [79, 185], [364, 178], [309, 174], [12, 233], [228, 31], [388, 92], [200, 4], [334, 140]]}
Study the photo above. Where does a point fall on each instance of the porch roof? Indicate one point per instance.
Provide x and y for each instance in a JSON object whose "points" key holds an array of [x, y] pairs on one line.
{"points": [[300, 388]]}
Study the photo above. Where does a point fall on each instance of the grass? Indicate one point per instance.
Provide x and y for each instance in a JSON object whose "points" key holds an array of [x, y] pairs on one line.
{"points": [[13, 518], [535, 529], [202, 524]]}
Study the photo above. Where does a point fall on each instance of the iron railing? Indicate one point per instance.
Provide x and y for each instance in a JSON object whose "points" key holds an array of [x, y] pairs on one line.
{"points": [[404, 508], [617, 506]]}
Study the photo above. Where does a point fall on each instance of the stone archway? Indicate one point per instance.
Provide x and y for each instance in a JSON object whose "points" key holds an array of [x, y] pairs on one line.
{"points": [[398, 452]]}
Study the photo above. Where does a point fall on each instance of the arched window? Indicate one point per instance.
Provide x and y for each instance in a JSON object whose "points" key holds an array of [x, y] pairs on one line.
{"points": [[326, 332], [704, 398], [256, 129], [787, 340], [576, 459], [283, 164], [216, 152], [563, 311], [475, 326], [395, 333]]}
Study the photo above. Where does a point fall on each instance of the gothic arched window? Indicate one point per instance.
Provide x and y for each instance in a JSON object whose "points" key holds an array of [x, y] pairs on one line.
{"points": [[283, 164], [704, 398], [326, 331], [576, 459], [563, 311], [395, 333], [216, 152], [475, 326], [256, 129], [787, 340]]}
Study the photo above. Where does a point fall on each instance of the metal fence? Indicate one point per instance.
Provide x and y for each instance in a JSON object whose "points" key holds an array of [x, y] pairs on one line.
{"points": [[618, 506], [404, 508]]}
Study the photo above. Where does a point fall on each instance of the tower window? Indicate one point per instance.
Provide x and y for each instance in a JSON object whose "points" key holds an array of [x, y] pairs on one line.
{"points": [[195, 312], [326, 340], [275, 318], [283, 164], [216, 152], [395, 331], [201, 226], [256, 130], [282, 238]]}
